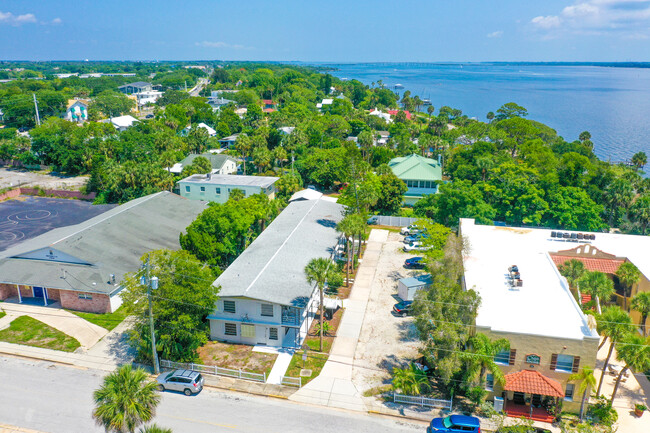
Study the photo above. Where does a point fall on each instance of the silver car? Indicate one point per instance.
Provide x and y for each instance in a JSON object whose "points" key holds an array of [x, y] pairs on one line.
{"points": [[186, 381]]}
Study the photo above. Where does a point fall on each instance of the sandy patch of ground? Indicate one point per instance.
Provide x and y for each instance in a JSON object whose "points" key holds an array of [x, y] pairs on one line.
{"points": [[14, 177], [386, 341]]}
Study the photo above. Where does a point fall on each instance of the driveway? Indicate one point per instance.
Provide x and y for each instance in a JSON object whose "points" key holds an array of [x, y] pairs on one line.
{"points": [[88, 334], [386, 341]]}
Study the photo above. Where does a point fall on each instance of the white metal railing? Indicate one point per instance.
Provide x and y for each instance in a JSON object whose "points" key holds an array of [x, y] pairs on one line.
{"points": [[291, 381], [213, 369], [422, 401]]}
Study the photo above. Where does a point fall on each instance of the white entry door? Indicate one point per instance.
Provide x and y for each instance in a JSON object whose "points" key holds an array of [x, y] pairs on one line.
{"points": [[260, 334]]}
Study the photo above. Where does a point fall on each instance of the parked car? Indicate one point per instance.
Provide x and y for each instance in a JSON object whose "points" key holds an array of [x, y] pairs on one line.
{"points": [[186, 381], [373, 220], [416, 237], [415, 246], [402, 308], [312, 187], [407, 230], [149, 116], [455, 423], [414, 263]]}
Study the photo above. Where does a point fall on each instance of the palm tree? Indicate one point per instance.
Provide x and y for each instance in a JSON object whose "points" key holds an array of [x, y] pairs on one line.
{"points": [[318, 271], [484, 163], [628, 275], [640, 212], [573, 270], [635, 352], [153, 428], [410, 380], [639, 159], [587, 380], [480, 357], [125, 400], [598, 285], [614, 324], [641, 303], [346, 227]]}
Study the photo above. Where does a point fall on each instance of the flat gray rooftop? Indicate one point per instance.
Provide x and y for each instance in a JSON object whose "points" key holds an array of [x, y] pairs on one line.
{"points": [[272, 268], [231, 179]]}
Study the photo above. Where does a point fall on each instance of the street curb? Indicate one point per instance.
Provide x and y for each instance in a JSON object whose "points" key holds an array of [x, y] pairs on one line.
{"points": [[281, 397], [34, 358]]}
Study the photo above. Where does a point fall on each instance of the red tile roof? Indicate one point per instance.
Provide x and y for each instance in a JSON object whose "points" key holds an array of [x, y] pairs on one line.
{"points": [[533, 382], [608, 266], [394, 112]]}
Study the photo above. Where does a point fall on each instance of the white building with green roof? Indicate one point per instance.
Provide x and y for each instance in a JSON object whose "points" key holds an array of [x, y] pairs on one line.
{"points": [[421, 175]]}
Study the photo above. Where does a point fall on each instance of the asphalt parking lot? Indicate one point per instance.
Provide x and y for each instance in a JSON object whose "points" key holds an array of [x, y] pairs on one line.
{"points": [[26, 217], [386, 341]]}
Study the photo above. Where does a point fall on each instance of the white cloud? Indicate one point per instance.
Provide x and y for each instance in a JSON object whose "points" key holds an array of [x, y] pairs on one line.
{"points": [[627, 18], [16, 20], [220, 44], [57, 21], [547, 22], [496, 34]]}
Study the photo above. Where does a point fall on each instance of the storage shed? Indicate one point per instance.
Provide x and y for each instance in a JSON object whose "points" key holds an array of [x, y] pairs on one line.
{"points": [[406, 287]]}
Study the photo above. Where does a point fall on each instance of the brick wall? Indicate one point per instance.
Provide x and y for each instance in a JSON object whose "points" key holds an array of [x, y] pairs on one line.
{"points": [[7, 291], [26, 291], [54, 294], [13, 193], [98, 304]]}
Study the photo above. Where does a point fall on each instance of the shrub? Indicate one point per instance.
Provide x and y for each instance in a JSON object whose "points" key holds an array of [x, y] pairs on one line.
{"points": [[602, 412]]}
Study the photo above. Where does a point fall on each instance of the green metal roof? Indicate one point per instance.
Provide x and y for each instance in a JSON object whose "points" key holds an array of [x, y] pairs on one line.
{"points": [[416, 167]]}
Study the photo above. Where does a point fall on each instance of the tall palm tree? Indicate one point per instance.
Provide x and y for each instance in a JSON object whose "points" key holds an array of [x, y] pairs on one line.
{"points": [[639, 159], [318, 271], [126, 400], [346, 227], [640, 211], [628, 275], [573, 270], [359, 226], [587, 380], [635, 352], [616, 325], [410, 380], [641, 303], [598, 285], [480, 357]]}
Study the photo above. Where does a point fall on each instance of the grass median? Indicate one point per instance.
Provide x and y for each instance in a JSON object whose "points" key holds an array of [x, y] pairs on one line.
{"points": [[107, 321]]}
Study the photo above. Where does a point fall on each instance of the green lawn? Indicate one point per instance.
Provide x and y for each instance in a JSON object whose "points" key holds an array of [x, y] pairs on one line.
{"points": [[107, 321], [315, 363], [25, 330], [2, 314]]}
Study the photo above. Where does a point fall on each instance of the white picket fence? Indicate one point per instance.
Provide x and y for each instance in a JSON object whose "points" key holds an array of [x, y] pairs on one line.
{"points": [[291, 381], [422, 401], [213, 369]]}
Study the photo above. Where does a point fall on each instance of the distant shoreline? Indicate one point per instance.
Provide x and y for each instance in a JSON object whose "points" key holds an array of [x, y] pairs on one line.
{"points": [[643, 65]]}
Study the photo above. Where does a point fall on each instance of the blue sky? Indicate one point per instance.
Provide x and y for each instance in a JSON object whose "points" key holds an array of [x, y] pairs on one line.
{"points": [[328, 31]]}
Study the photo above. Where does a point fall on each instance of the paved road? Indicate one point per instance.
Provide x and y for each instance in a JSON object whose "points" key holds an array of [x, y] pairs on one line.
{"points": [[58, 399], [199, 86]]}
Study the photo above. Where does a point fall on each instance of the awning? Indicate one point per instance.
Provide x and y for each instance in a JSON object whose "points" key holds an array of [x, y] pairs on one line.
{"points": [[533, 382]]}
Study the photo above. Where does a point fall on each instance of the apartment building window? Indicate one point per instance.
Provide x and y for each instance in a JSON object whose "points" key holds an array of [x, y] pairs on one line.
{"points": [[202, 189], [230, 328], [273, 333], [502, 357], [267, 310], [564, 363], [87, 296], [187, 188], [489, 382], [568, 393], [248, 331], [218, 191], [229, 307]]}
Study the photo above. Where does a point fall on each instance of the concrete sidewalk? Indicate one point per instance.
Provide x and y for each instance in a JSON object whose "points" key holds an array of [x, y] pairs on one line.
{"points": [[334, 387], [88, 334], [5, 428]]}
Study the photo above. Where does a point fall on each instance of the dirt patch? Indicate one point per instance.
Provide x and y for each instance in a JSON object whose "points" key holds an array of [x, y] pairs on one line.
{"points": [[236, 356], [14, 177], [386, 341]]}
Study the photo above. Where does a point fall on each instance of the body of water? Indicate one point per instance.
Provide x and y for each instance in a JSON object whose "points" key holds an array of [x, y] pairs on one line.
{"points": [[612, 103]]}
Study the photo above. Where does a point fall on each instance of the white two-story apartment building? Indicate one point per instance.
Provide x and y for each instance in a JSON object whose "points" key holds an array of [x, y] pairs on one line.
{"points": [[265, 297], [217, 188]]}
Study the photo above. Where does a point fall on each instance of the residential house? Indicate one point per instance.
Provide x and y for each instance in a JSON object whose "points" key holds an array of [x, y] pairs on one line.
{"points": [[221, 164], [525, 300], [77, 110], [420, 174], [394, 113], [82, 266], [325, 102], [381, 115], [241, 112], [229, 141], [382, 138], [147, 97], [265, 297], [121, 123], [216, 101], [268, 106], [137, 87], [286, 130], [217, 188], [211, 131]]}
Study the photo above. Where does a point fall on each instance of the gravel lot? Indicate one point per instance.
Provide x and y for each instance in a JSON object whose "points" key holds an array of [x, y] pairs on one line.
{"points": [[18, 177], [386, 341]]}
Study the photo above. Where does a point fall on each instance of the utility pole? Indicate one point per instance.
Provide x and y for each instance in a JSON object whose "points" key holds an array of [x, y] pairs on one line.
{"points": [[152, 284], [292, 162], [38, 118]]}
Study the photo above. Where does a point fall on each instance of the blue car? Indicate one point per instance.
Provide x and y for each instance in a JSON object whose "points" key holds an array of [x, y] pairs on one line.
{"points": [[455, 423], [414, 263]]}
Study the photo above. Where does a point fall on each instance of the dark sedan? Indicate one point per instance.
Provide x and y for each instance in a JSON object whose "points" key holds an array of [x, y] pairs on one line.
{"points": [[402, 308], [414, 263]]}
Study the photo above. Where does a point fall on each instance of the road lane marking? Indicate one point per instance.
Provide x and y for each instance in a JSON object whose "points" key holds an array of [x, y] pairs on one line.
{"points": [[201, 422]]}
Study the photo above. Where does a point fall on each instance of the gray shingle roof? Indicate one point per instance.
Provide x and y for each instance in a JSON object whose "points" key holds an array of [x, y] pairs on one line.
{"points": [[272, 268], [231, 180], [217, 160], [110, 243], [136, 84]]}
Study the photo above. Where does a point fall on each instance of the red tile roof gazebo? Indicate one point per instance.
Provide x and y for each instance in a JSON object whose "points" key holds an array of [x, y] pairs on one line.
{"points": [[533, 382]]}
